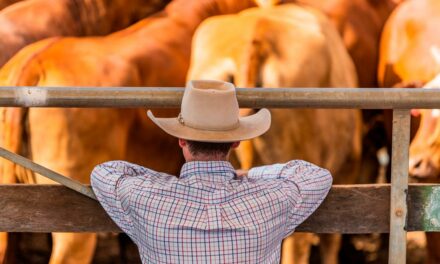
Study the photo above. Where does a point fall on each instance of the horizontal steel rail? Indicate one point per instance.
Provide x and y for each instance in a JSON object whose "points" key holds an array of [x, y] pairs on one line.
{"points": [[155, 97]]}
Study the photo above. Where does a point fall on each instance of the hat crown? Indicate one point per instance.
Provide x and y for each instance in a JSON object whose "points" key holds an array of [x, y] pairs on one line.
{"points": [[209, 105]]}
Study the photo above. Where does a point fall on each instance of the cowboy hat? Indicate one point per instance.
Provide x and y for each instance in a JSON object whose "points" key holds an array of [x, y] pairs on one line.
{"points": [[210, 113]]}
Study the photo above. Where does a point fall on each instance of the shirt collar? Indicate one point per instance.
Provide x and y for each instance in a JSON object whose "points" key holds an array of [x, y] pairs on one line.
{"points": [[216, 170]]}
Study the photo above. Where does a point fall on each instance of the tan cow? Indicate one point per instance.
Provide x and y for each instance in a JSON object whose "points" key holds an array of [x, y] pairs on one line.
{"points": [[360, 24], [153, 52], [410, 55], [424, 164], [32, 20], [410, 43], [286, 46], [410, 47]]}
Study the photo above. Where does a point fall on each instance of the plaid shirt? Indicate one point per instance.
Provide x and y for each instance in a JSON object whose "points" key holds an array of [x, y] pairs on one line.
{"points": [[209, 215]]}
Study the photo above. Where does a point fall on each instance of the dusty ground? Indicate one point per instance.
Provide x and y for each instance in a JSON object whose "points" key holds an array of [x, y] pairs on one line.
{"points": [[373, 249], [117, 248], [35, 249]]}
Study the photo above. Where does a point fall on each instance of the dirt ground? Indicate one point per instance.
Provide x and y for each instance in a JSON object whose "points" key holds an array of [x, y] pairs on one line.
{"points": [[373, 249], [34, 248], [118, 249]]}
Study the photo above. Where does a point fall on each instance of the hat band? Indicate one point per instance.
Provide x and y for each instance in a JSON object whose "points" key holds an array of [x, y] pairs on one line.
{"points": [[184, 122]]}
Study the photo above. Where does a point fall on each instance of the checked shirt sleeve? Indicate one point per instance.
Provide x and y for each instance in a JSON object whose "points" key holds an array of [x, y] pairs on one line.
{"points": [[304, 184], [112, 183]]}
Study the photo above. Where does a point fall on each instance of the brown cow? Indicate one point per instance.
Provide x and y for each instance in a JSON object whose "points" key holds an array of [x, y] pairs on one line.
{"points": [[5, 3], [410, 54], [32, 20], [286, 46], [153, 52]]}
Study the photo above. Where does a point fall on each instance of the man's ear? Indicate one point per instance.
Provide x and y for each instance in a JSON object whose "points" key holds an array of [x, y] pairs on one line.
{"points": [[235, 144], [182, 143]]}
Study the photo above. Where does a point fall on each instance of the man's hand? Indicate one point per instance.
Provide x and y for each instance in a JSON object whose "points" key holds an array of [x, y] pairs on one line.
{"points": [[241, 173]]}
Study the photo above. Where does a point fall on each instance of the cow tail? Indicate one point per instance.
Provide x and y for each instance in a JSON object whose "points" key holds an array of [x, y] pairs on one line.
{"points": [[21, 70], [259, 50], [13, 139]]}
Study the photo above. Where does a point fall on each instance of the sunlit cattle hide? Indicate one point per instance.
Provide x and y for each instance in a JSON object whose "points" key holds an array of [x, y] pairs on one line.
{"points": [[410, 43], [286, 46], [360, 24]]}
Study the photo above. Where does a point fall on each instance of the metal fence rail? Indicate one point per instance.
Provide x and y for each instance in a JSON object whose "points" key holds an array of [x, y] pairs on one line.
{"points": [[400, 100], [365, 98]]}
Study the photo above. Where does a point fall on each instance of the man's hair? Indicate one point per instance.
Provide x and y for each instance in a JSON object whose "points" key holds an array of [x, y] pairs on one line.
{"points": [[208, 148]]}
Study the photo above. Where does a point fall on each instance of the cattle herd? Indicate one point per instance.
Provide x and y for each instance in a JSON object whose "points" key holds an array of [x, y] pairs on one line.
{"points": [[252, 43]]}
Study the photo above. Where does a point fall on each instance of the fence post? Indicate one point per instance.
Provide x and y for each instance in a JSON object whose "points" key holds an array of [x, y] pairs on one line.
{"points": [[399, 186]]}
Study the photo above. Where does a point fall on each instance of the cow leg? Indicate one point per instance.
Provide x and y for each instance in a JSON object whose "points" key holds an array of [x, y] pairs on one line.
{"points": [[288, 250], [296, 248], [329, 245], [433, 245], [3, 241], [3, 246], [303, 244], [72, 248], [10, 125], [4, 235]]}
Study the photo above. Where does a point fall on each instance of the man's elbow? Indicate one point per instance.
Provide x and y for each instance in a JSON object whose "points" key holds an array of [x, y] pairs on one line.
{"points": [[96, 174], [327, 178], [100, 171]]}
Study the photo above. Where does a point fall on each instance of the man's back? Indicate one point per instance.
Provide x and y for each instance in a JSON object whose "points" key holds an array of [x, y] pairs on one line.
{"points": [[209, 215]]}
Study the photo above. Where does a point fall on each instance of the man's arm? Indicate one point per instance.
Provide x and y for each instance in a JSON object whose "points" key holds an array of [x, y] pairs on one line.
{"points": [[304, 184], [112, 183]]}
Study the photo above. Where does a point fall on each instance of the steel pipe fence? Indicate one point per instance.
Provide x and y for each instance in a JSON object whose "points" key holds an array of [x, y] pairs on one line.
{"points": [[157, 97], [398, 99]]}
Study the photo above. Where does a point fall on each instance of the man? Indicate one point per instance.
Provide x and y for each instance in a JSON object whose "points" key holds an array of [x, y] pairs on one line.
{"points": [[210, 214]]}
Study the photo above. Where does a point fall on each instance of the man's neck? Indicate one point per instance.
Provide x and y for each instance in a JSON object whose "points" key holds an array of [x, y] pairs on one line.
{"points": [[207, 158]]}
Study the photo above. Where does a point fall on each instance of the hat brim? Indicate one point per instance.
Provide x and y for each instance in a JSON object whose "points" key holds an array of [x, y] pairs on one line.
{"points": [[250, 127]]}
